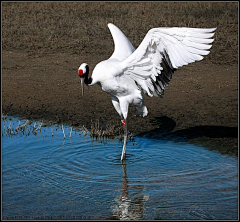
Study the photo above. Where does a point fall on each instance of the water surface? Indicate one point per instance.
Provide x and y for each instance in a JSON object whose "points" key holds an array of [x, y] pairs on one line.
{"points": [[45, 176]]}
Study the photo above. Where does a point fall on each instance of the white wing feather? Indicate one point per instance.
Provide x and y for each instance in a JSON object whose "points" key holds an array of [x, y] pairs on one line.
{"points": [[123, 47], [162, 51]]}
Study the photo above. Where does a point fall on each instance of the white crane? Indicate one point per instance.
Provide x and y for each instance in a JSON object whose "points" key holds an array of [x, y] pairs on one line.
{"points": [[148, 68]]}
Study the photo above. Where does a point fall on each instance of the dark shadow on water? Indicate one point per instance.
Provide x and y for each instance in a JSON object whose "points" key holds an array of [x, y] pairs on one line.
{"points": [[215, 136]]}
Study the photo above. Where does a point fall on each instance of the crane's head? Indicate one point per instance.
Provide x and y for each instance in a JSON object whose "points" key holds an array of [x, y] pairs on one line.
{"points": [[83, 71]]}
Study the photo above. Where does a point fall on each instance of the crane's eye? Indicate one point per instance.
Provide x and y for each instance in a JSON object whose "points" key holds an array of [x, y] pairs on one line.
{"points": [[80, 72]]}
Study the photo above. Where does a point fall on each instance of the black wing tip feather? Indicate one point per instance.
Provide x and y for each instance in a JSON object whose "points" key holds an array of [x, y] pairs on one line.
{"points": [[164, 78]]}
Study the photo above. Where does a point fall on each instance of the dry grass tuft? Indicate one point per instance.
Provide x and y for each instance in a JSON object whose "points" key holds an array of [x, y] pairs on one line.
{"points": [[112, 129]]}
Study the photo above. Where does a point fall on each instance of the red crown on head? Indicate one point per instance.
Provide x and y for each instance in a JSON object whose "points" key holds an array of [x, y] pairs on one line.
{"points": [[80, 72]]}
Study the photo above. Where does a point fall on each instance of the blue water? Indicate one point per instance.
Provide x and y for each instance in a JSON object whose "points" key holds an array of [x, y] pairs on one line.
{"points": [[45, 176]]}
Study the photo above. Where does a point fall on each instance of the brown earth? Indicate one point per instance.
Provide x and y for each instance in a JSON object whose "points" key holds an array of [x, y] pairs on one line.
{"points": [[44, 44]]}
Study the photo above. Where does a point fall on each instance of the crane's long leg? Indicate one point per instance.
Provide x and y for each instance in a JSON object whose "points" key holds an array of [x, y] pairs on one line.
{"points": [[124, 123], [121, 106]]}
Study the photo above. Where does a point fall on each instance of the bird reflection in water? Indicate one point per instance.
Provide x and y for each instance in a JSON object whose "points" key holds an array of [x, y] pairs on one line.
{"points": [[130, 203]]}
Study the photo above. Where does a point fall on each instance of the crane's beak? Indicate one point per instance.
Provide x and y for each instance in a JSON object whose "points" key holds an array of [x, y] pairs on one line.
{"points": [[82, 85]]}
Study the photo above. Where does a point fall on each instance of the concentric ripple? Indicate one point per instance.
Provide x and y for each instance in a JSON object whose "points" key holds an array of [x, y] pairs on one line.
{"points": [[45, 175]]}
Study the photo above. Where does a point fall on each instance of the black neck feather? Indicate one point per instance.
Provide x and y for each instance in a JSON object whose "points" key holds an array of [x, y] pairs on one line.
{"points": [[87, 80]]}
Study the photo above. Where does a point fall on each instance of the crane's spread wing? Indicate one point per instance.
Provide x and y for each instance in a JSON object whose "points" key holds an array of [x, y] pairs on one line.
{"points": [[123, 47], [161, 52]]}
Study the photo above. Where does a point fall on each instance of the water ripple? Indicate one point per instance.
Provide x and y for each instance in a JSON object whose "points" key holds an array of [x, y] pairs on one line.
{"points": [[79, 176]]}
